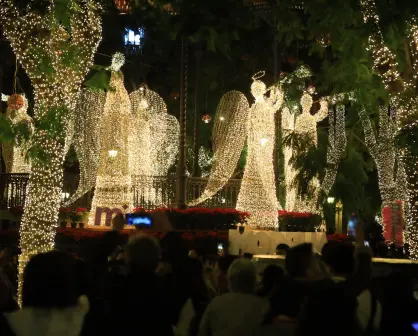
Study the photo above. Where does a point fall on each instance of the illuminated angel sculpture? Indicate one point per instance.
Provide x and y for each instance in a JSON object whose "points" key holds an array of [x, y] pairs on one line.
{"points": [[122, 141], [306, 124], [154, 147], [236, 122], [14, 154], [113, 182]]}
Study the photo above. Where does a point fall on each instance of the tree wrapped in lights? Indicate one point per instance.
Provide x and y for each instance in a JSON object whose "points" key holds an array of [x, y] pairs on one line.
{"points": [[392, 179], [401, 85], [337, 141], [14, 155], [235, 122], [113, 182], [55, 45]]}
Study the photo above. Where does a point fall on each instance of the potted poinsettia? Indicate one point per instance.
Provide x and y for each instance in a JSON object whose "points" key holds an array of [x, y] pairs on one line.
{"points": [[63, 217], [84, 215], [74, 218]]}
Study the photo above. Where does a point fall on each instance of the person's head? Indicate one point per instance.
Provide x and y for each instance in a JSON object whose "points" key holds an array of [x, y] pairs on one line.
{"points": [[328, 311], [49, 281], [282, 249], [298, 260], [142, 253], [174, 249], [272, 276], [339, 257], [109, 242], [118, 222], [242, 276]]}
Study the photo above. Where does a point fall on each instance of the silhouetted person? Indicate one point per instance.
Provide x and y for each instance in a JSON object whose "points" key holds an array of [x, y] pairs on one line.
{"points": [[50, 301]]}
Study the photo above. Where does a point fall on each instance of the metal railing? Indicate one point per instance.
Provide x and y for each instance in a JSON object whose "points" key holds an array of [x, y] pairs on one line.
{"points": [[147, 191]]}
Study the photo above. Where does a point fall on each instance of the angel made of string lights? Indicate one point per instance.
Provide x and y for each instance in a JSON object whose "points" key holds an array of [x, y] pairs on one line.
{"points": [[234, 123], [305, 125], [124, 140], [14, 155], [153, 148]]}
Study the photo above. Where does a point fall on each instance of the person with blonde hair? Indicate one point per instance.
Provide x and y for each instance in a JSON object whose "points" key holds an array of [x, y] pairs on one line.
{"points": [[239, 312]]}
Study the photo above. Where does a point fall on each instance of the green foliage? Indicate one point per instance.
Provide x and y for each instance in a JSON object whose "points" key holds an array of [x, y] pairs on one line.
{"points": [[6, 129], [52, 122], [407, 139], [100, 80]]}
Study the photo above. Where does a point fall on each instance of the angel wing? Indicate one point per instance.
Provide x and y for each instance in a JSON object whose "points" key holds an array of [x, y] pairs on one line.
{"points": [[229, 134], [87, 123], [165, 130], [140, 142]]}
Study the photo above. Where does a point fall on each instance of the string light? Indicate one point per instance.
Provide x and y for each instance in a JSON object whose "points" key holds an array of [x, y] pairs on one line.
{"points": [[56, 61], [113, 183], [205, 161], [258, 191], [14, 155], [88, 114]]}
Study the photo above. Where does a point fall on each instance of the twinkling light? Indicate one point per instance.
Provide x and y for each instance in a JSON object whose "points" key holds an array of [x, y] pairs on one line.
{"points": [[337, 141], [88, 114], [205, 161], [113, 183], [56, 60], [257, 124], [14, 154]]}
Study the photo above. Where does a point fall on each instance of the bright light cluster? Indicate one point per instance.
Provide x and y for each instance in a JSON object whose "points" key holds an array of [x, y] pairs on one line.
{"points": [[113, 183], [337, 141], [384, 61], [87, 118], [43, 46], [14, 154]]}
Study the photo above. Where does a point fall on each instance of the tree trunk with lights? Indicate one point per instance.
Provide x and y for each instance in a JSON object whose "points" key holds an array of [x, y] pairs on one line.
{"points": [[55, 48], [401, 87]]}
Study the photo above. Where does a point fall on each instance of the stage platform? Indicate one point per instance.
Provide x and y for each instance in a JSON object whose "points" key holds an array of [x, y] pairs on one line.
{"points": [[265, 242]]}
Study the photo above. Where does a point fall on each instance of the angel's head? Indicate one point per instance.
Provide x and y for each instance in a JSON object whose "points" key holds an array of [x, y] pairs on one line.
{"points": [[306, 101], [258, 89], [118, 60]]}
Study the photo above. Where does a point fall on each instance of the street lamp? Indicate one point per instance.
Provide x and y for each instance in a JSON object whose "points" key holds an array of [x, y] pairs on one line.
{"points": [[113, 153], [331, 200]]}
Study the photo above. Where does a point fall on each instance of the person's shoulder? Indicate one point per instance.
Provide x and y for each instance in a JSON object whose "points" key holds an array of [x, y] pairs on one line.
{"points": [[5, 329]]}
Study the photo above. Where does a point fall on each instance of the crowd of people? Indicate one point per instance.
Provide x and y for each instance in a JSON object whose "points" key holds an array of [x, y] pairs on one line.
{"points": [[150, 287]]}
